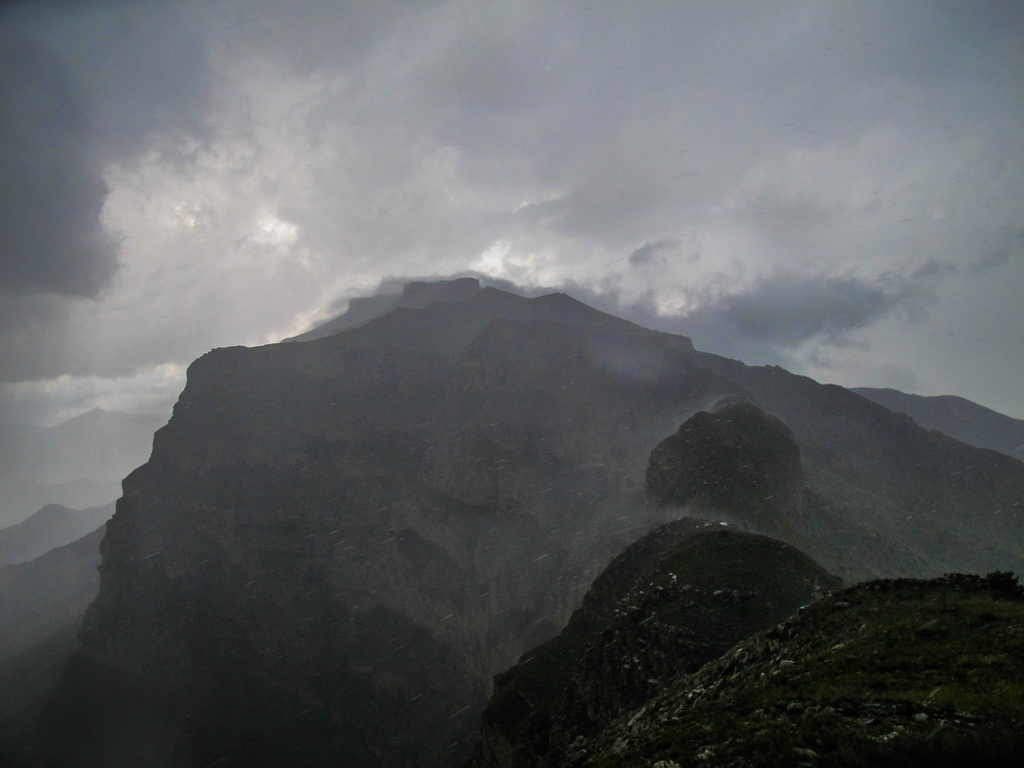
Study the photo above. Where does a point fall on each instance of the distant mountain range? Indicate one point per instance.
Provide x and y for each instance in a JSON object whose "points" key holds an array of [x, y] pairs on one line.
{"points": [[972, 423], [100, 445], [21, 498], [41, 606], [52, 526]]}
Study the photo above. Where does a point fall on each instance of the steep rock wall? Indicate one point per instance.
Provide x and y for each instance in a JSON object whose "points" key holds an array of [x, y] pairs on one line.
{"points": [[337, 543]]}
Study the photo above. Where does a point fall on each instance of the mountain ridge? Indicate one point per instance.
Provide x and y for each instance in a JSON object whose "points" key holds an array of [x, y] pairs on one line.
{"points": [[957, 417], [52, 526], [395, 513]]}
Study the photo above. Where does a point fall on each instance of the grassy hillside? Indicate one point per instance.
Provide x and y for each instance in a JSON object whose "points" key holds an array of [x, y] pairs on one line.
{"points": [[885, 673], [673, 601]]}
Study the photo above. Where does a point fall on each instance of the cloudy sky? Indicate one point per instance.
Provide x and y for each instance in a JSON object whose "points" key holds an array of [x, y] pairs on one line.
{"points": [[834, 187]]}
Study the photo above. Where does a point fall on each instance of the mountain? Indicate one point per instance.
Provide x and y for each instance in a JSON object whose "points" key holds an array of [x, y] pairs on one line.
{"points": [[101, 445], [886, 673], [883, 496], [337, 543], [50, 527], [957, 417], [76, 464], [733, 459], [41, 597], [26, 679], [671, 602], [41, 607], [415, 295], [21, 498]]}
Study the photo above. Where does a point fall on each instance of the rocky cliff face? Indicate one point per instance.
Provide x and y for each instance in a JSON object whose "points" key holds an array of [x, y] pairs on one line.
{"points": [[337, 543]]}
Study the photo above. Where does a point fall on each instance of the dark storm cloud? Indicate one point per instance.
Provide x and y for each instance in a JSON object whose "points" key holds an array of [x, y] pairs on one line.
{"points": [[81, 85], [785, 308], [51, 190], [765, 323]]}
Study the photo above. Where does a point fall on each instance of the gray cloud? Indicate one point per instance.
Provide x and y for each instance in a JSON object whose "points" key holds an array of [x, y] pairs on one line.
{"points": [[768, 322], [647, 253], [120, 74], [265, 160], [785, 309], [51, 189], [1001, 253], [81, 85]]}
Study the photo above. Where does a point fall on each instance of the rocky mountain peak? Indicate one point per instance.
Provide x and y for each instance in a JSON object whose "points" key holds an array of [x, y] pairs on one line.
{"points": [[734, 460]]}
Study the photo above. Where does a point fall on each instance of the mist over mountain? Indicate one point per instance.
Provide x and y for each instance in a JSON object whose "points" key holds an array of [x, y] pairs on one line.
{"points": [[956, 417], [78, 463], [414, 295], [42, 602], [50, 527], [382, 489], [337, 543], [23, 498], [47, 594]]}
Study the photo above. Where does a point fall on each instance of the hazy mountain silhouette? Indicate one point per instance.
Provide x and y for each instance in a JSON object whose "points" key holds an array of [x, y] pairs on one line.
{"points": [[41, 606], [100, 445], [77, 464], [21, 498], [44, 595], [50, 527], [956, 417]]}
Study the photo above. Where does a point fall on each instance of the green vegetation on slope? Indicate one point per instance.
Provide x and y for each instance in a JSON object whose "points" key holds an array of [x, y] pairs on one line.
{"points": [[671, 602], [903, 672]]}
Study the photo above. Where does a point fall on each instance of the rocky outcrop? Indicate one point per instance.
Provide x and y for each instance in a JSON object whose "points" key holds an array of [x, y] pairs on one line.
{"points": [[734, 460], [883, 496], [885, 673]]}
